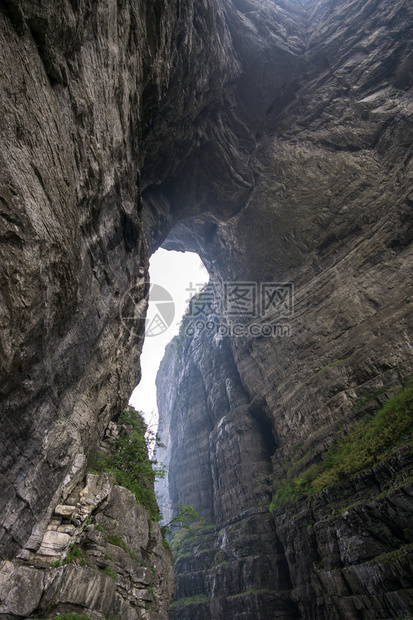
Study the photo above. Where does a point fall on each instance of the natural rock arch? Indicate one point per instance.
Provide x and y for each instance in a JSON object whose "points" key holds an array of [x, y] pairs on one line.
{"points": [[272, 138]]}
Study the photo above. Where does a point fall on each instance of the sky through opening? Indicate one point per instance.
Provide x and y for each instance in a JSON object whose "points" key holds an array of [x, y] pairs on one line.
{"points": [[173, 275]]}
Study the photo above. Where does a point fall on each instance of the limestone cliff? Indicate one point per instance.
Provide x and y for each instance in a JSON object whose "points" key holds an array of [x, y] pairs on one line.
{"points": [[79, 83], [101, 556], [272, 137], [73, 77], [328, 207], [344, 553]]}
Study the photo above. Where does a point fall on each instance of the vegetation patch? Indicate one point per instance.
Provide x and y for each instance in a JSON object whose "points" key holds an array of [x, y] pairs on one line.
{"points": [[129, 462], [75, 555], [251, 591], [198, 534], [370, 397], [367, 443], [328, 366], [166, 544], [118, 541], [71, 616], [110, 572], [185, 515], [391, 556], [190, 600]]}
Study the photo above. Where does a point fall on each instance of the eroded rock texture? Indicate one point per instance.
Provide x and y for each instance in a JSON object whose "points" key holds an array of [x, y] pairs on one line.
{"points": [[101, 555], [219, 452], [329, 208], [79, 82], [111, 563], [71, 242], [345, 553], [274, 138]]}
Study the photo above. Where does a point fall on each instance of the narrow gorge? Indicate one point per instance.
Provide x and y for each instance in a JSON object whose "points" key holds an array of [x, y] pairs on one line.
{"points": [[274, 138]]}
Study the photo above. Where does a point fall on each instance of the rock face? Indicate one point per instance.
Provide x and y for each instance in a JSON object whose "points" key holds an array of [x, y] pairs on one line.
{"points": [[73, 76], [345, 553], [328, 208], [109, 564], [219, 454], [101, 555], [349, 550], [272, 137]]}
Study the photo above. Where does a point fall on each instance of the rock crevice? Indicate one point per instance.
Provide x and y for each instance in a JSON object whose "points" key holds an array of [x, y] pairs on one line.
{"points": [[274, 139]]}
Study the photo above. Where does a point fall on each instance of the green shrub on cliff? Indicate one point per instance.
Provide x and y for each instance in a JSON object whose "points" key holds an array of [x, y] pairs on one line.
{"points": [[72, 616], [185, 515], [190, 600], [128, 460], [199, 534], [367, 443]]}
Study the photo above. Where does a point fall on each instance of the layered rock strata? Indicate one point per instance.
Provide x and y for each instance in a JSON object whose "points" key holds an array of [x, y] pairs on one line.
{"points": [[101, 556], [328, 209], [344, 553], [220, 462], [73, 76], [274, 138]]}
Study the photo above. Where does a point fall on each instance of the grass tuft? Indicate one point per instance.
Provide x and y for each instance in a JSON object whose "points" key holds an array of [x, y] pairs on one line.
{"points": [[129, 461], [110, 572], [190, 600], [367, 443]]}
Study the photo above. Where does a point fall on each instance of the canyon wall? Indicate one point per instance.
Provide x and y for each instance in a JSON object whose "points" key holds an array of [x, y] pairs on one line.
{"points": [[273, 138], [73, 77], [343, 553], [328, 208], [88, 94], [79, 83], [102, 554]]}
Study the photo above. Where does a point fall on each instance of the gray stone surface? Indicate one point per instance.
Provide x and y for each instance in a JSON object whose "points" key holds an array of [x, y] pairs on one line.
{"points": [[345, 553], [71, 244], [112, 565], [64, 511], [273, 138], [219, 454], [328, 209], [21, 592]]}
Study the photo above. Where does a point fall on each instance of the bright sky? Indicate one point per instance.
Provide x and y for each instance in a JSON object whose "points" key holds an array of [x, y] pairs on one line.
{"points": [[175, 272]]}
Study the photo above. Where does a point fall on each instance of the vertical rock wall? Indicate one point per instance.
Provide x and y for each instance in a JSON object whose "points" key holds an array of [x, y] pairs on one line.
{"points": [[329, 210], [346, 552], [79, 85], [73, 77], [219, 452], [273, 138]]}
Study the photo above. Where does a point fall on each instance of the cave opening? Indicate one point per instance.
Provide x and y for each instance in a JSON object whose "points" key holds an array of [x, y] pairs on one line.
{"points": [[174, 278]]}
